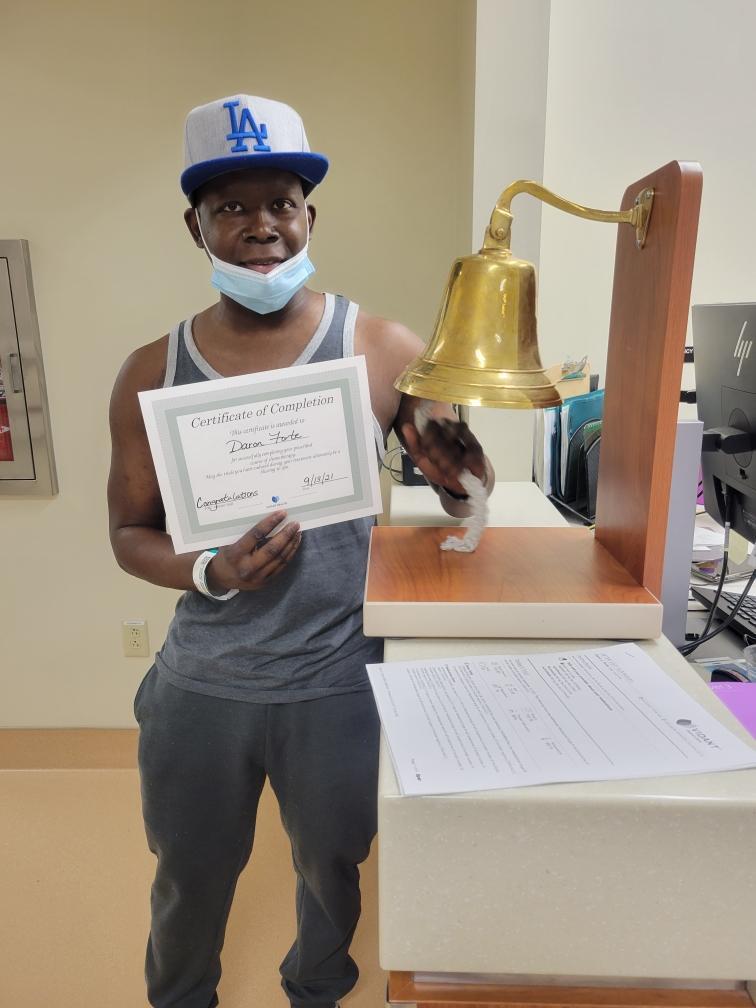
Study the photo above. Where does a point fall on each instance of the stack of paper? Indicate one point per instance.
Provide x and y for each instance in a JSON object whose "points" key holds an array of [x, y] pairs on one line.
{"points": [[708, 543]]}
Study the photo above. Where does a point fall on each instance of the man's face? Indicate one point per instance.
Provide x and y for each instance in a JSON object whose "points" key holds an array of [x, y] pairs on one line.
{"points": [[255, 218]]}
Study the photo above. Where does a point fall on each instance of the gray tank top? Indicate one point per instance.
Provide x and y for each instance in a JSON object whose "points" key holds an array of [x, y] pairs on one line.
{"points": [[300, 637]]}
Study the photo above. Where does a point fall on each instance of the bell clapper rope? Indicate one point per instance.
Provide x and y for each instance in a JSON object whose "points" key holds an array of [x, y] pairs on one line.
{"points": [[477, 495]]}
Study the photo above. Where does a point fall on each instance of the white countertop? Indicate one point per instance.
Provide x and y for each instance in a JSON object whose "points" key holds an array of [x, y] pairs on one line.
{"points": [[652, 878]]}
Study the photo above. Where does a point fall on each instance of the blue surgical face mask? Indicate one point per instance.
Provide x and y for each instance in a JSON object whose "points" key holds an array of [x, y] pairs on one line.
{"points": [[261, 292]]}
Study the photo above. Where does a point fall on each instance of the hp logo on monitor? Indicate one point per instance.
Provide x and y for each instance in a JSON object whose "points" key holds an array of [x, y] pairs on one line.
{"points": [[742, 348]]}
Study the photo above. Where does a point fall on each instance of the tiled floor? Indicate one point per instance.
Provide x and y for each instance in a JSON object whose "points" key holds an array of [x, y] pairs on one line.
{"points": [[75, 875]]}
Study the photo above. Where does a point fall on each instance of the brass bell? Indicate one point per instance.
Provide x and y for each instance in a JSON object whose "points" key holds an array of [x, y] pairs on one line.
{"points": [[484, 350]]}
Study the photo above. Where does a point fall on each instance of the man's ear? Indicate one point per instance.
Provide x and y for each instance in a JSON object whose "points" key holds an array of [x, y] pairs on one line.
{"points": [[190, 219], [312, 213]]}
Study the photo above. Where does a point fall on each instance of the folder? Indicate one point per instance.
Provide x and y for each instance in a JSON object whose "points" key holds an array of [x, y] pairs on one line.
{"points": [[578, 416], [740, 699]]}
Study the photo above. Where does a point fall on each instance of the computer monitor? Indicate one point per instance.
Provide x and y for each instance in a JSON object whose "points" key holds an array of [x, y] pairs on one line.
{"points": [[725, 366]]}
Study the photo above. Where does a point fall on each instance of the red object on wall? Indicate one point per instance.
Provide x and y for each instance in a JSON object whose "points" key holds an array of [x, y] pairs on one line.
{"points": [[6, 445]]}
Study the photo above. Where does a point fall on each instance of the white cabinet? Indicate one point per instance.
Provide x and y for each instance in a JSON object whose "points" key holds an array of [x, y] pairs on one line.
{"points": [[27, 466]]}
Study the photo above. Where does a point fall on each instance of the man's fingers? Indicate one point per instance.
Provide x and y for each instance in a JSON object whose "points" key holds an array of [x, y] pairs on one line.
{"points": [[279, 561], [466, 437], [464, 448], [276, 562], [444, 450], [451, 443], [251, 540], [423, 453], [268, 552], [274, 548]]}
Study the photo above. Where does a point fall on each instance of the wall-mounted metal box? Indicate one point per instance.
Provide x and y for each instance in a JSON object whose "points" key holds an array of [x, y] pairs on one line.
{"points": [[27, 466]]}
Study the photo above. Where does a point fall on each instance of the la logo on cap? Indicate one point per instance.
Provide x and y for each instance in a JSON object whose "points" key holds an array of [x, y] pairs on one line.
{"points": [[254, 132], [226, 135]]}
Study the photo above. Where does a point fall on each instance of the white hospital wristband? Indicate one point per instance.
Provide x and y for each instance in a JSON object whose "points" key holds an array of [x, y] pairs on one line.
{"points": [[200, 579]]}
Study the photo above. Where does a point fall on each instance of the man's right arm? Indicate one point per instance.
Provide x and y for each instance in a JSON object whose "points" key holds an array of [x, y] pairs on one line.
{"points": [[140, 543], [137, 520]]}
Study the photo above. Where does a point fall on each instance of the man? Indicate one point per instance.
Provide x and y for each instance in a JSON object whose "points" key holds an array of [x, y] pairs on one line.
{"points": [[263, 670]]}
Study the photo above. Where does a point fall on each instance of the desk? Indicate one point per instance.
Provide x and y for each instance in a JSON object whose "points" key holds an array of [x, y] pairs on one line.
{"points": [[646, 882], [727, 643]]}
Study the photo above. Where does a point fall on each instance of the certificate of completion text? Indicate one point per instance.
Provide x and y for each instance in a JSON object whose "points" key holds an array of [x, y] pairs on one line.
{"points": [[231, 450]]}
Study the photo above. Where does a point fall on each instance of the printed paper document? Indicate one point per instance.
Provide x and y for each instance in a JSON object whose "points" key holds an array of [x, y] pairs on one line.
{"points": [[500, 721]]}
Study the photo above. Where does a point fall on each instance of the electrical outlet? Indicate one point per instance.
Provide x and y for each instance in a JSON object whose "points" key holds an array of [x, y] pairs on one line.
{"points": [[135, 641]]}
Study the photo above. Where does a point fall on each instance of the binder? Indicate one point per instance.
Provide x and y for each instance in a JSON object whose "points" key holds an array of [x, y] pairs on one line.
{"points": [[545, 448], [566, 451]]}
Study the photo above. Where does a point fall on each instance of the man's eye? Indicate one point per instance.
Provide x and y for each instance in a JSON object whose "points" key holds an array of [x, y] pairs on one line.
{"points": [[282, 204], [232, 206]]}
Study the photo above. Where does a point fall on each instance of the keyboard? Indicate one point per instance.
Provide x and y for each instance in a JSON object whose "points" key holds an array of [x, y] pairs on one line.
{"points": [[744, 623]]}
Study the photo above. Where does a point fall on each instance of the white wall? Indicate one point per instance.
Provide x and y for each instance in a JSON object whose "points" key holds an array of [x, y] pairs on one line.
{"points": [[632, 86], [512, 40], [590, 95]]}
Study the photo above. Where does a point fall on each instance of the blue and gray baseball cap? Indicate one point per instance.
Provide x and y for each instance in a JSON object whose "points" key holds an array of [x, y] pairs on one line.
{"points": [[245, 132]]}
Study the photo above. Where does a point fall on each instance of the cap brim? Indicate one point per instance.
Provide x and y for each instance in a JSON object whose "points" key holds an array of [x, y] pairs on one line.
{"points": [[311, 168]]}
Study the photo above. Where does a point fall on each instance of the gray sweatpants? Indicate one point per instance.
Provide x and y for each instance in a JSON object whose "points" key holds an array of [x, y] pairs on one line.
{"points": [[203, 762]]}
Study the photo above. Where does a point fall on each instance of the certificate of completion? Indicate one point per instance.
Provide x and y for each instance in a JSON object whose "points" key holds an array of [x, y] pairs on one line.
{"points": [[231, 450]]}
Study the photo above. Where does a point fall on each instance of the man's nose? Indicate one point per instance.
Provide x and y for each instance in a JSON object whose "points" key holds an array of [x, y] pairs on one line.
{"points": [[260, 227]]}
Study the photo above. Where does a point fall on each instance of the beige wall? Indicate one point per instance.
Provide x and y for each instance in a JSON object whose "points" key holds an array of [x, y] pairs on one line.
{"points": [[91, 105]]}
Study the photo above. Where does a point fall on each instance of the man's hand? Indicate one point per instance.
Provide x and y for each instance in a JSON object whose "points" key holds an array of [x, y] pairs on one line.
{"points": [[445, 448], [254, 559]]}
